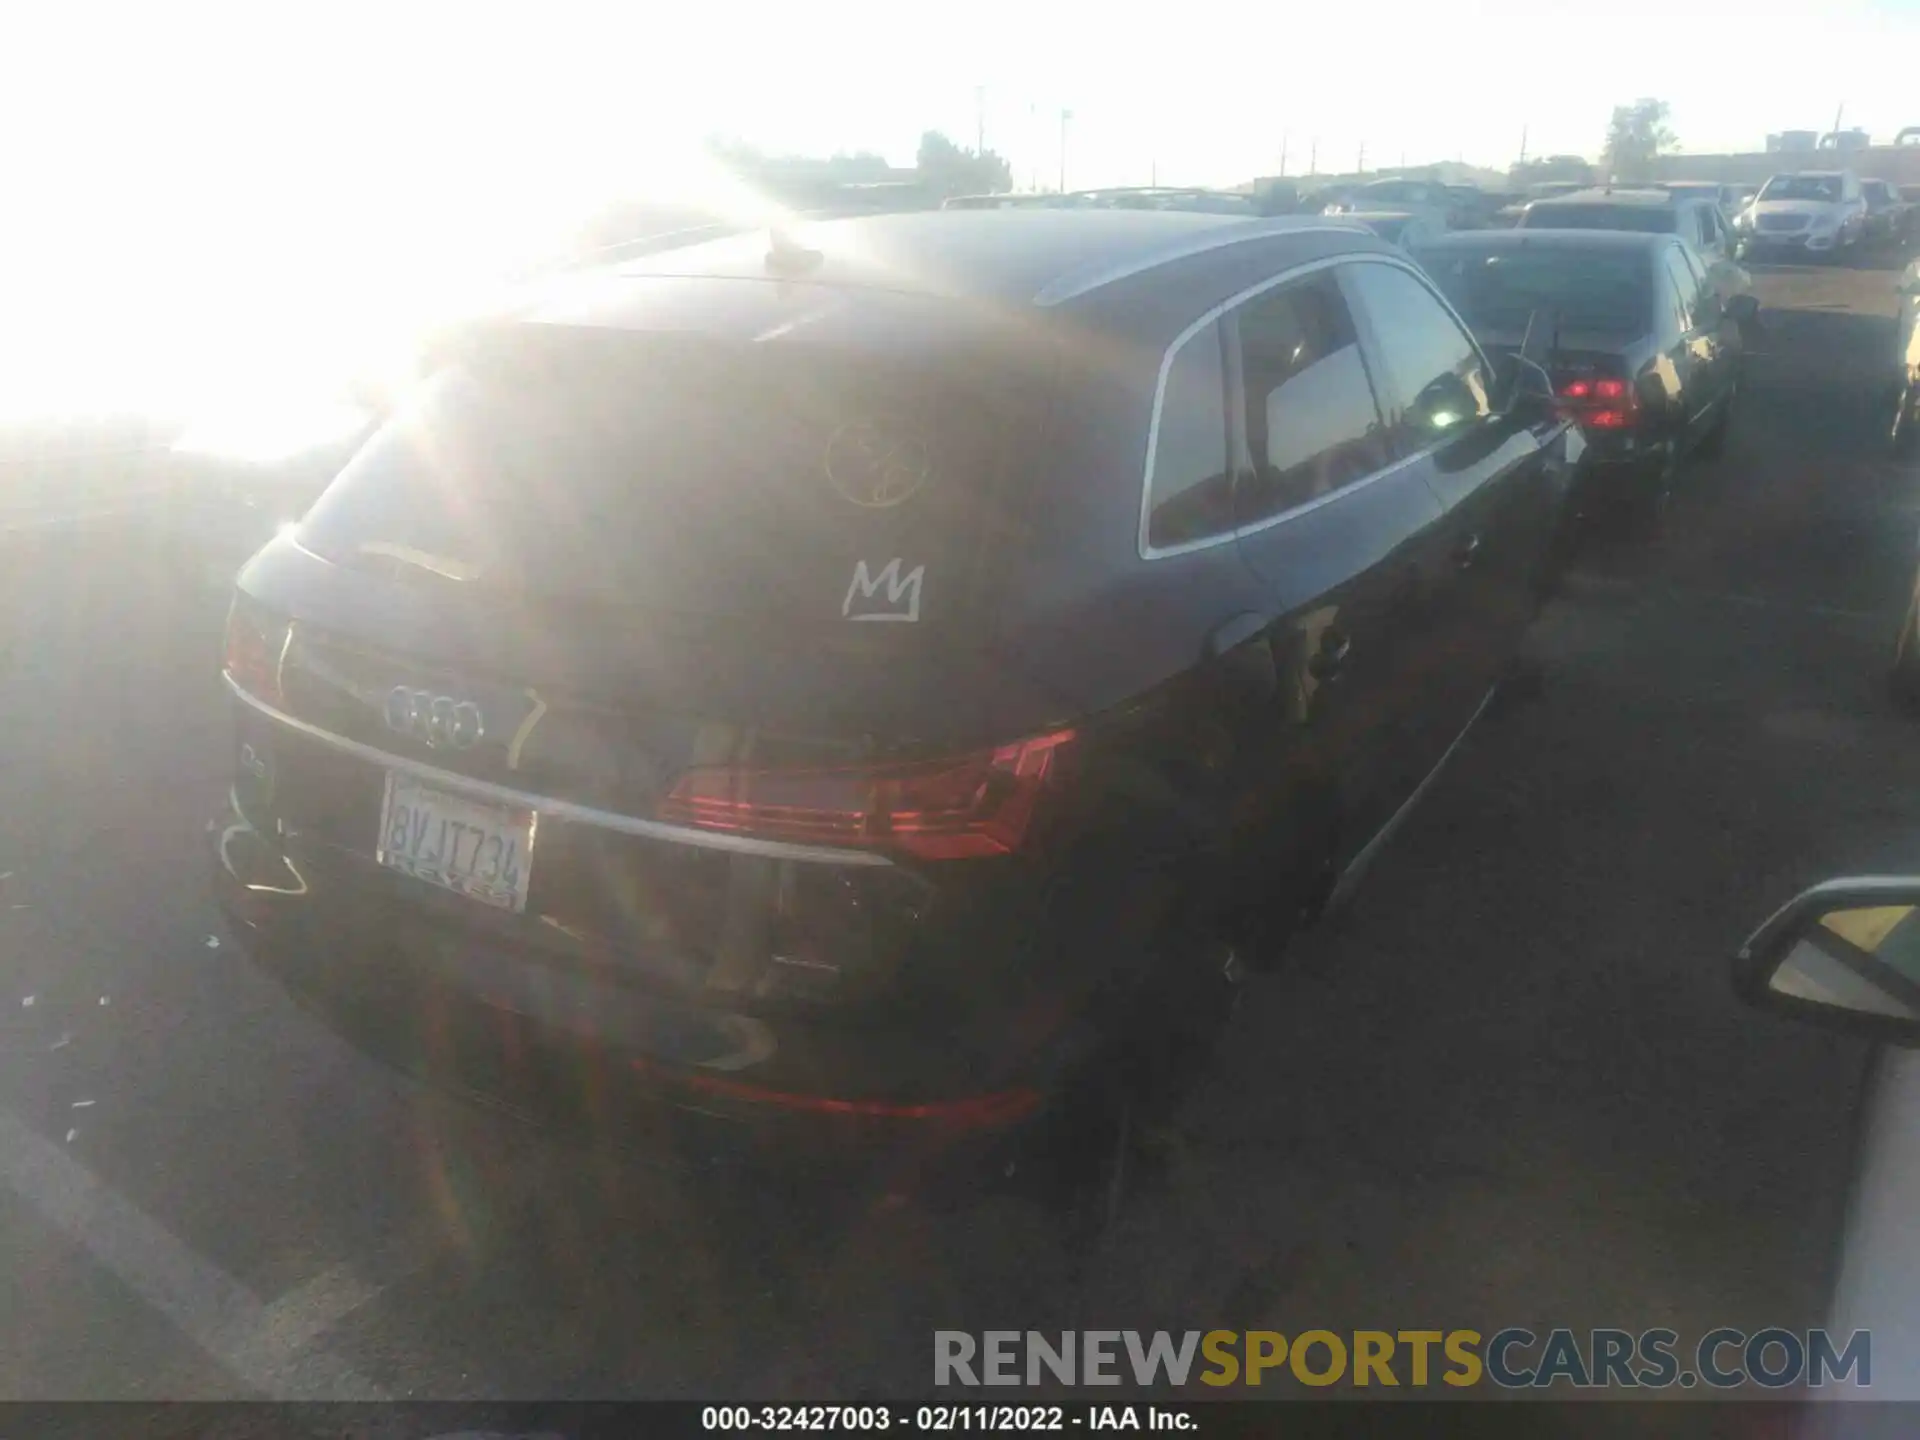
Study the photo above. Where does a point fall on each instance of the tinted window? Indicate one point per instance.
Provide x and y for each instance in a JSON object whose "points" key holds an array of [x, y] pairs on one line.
{"points": [[1606, 290], [1686, 286], [1706, 301], [1190, 498], [1312, 425], [1705, 230], [658, 474], [1432, 369], [1643, 219]]}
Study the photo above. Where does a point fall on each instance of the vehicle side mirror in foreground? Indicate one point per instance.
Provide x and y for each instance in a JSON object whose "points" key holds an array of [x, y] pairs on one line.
{"points": [[1844, 955]]}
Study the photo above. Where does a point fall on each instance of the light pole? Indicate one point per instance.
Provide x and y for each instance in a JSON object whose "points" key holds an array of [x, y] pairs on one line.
{"points": [[1065, 116], [979, 119]]}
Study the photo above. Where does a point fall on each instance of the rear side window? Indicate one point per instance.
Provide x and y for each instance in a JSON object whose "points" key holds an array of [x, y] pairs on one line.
{"points": [[1686, 287], [1432, 369], [1312, 423], [1189, 495], [1705, 230], [674, 476]]}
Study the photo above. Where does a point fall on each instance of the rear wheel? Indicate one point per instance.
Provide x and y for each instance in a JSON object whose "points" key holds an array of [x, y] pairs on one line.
{"points": [[1106, 1130], [1655, 500]]}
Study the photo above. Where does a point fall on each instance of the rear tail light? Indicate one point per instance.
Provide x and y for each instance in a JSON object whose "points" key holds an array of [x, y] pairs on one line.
{"points": [[252, 658], [1600, 402], [975, 805]]}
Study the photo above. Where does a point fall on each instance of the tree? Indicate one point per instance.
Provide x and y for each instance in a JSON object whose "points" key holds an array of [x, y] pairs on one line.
{"points": [[955, 171], [1637, 134]]}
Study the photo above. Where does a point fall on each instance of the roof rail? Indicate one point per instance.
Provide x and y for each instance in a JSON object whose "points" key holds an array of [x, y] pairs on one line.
{"points": [[1075, 283]]}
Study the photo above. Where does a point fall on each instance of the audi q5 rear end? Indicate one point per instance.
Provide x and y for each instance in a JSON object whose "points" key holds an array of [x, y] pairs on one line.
{"points": [[736, 701]]}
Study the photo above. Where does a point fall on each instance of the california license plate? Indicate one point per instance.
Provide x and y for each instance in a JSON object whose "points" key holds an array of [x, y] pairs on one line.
{"points": [[467, 846]]}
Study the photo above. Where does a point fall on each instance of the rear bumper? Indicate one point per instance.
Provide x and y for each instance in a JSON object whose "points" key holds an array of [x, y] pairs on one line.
{"points": [[560, 1046], [1614, 476]]}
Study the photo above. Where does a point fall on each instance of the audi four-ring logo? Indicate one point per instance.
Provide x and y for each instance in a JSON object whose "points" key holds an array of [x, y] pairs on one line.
{"points": [[438, 720]]}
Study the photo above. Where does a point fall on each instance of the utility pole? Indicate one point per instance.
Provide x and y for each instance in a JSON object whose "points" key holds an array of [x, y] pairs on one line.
{"points": [[1836, 123], [1523, 145], [1065, 116], [1153, 173], [1033, 139], [979, 119], [1313, 157], [1283, 156], [1360, 165]]}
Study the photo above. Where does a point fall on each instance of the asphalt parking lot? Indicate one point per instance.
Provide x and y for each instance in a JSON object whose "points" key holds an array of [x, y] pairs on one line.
{"points": [[1509, 1087]]}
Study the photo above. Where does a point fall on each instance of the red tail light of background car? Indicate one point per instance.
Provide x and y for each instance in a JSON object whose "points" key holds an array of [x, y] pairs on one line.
{"points": [[1600, 402]]}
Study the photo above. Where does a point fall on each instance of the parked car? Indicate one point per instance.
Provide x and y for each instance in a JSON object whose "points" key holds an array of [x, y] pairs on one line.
{"points": [[1884, 208], [1399, 196], [1693, 218], [1643, 352], [1471, 208], [1540, 190], [1697, 221], [1405, 229], [1812, 214], [924, 762], [1729, 198], [1321, 201]]}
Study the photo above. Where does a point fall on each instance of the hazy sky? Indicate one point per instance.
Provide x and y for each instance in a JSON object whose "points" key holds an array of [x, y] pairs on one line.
{"points": [[251, 163]]}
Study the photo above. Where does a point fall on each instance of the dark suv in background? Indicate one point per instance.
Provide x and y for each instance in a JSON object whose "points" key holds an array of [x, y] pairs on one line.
{"points": [[885, 685]]}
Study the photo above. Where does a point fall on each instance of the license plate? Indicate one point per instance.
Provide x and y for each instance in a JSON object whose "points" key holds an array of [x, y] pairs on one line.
{"points": [[472, 848]]}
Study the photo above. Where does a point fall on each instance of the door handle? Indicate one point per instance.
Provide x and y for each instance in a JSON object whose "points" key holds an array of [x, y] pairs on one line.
{"points": [[1466, 552], [1331, 656]]}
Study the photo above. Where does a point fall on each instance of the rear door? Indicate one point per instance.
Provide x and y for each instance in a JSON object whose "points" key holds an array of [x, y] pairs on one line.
{"points": [[1694, 355], [1342, 539], [1719, 337], [1489, 471]]}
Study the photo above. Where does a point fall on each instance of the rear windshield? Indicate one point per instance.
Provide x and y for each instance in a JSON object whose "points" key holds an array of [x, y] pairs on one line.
{"points": [[677, 476], [1607, 291], [1642, 219]]}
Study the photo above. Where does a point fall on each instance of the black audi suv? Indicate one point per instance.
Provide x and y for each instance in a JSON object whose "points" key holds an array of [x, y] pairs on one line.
{"points": [[1643, 351], [865, 691]]}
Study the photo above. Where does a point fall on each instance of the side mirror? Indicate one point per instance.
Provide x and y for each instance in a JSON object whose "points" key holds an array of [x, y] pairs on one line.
{"points": [[1844, 955]]}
